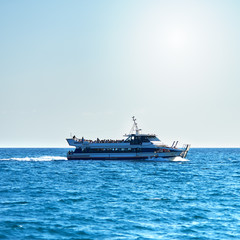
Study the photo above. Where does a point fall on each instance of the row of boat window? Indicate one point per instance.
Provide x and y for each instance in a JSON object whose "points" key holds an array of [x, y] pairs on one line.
{"points": [[112, 150]]}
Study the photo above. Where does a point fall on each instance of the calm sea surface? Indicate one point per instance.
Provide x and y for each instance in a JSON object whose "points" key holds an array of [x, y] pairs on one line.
{"points": [[43, 196]]}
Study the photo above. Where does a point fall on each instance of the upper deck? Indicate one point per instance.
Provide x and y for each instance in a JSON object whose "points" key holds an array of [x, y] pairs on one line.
{"points": [[132, 139]]}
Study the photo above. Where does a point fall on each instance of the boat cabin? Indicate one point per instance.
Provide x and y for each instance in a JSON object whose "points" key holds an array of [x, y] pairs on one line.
{"points": [[134, 139]]}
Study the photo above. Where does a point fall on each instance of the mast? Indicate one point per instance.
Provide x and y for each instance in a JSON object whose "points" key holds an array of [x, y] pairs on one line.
{"points": [[135, 127]]}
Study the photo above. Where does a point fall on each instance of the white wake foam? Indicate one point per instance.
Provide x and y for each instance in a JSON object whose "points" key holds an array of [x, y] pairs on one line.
{"points": [[41, 158], [179, 159], [174, 159]]}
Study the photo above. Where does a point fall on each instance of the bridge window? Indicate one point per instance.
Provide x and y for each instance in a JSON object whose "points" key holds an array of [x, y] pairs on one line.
{"points": [[153, 139]]}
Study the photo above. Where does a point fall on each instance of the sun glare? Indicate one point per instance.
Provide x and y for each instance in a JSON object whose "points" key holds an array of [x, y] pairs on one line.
{"points": [[177, 39]]}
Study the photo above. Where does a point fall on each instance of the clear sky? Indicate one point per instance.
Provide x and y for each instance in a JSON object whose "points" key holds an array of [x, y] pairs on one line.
{"points": [[86, 67]]}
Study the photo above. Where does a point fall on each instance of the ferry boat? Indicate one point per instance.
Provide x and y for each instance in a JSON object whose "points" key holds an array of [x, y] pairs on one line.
{"points": [[135, 146]]}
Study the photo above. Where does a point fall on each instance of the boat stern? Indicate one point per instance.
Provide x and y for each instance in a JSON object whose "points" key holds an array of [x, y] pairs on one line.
{"points": [[186, 148]]}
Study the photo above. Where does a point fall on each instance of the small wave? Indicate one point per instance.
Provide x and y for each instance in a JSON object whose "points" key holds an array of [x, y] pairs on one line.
{"points": [[158, 199], [158, 159], [41, 158]]}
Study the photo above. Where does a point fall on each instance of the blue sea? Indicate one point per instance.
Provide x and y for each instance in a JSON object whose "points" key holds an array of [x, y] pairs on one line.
{"points": [[44, 196]]}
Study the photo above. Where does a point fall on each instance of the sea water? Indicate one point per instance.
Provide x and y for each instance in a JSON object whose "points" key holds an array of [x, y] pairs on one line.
{"points": [[44, 196]]}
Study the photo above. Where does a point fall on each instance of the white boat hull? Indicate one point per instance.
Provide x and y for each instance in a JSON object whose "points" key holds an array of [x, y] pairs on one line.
{"points": [[122, 156]]}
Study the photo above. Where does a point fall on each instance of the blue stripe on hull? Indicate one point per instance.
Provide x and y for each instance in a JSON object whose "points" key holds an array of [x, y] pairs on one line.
{"points": [[107, 158], [113, 158]]}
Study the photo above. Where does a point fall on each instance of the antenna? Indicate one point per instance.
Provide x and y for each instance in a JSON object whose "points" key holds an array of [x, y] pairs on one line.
{"points": [[135, 126]]}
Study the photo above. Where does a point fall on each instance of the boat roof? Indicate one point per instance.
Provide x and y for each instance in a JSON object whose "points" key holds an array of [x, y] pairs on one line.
{"points": [[140, 135]]}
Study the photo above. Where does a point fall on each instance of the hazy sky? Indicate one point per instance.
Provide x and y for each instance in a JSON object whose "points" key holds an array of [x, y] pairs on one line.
{"points": [[86, 67]]}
